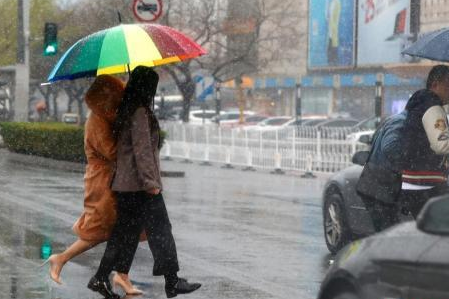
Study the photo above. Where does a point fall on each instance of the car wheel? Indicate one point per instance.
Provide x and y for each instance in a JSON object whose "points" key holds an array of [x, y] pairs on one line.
{"points": [[346, 296], [336, 230]]}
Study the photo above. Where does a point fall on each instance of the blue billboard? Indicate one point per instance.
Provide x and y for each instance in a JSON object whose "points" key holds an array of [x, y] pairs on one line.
{"points": [[331, 33]]}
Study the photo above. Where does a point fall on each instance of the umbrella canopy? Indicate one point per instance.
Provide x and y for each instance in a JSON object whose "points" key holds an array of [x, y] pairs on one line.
{"points": [[120, 49], [433, 46]]}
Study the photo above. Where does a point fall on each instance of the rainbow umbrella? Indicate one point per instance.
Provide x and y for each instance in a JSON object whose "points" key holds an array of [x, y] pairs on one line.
{"points": [[120, 49]]}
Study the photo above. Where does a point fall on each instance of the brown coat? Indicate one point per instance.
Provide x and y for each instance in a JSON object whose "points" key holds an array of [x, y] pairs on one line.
{"points": [[99, 215], [138, 167]]}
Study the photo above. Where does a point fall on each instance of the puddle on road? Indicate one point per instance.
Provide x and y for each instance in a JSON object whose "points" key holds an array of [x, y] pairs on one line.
{"points": [[21, 252]]}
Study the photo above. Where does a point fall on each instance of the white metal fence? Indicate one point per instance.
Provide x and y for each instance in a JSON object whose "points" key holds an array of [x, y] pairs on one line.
{"points": [[297, 148]]}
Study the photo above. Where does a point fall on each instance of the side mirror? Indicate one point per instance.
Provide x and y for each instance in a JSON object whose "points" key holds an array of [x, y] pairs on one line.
{"points": [[433, 217], [366, 139], [360, 158]]}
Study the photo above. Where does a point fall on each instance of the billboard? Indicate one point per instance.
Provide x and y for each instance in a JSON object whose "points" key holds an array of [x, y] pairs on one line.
{"points": [[331, 33], [383, 31]]}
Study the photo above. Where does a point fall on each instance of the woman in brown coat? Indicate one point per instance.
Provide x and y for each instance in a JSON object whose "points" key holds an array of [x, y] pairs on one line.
{"points": [[138, 186], [99, 215]]}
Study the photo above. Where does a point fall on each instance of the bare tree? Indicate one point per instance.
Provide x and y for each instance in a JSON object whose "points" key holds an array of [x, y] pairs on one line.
{"points": [[75, 91], [263, 34]]}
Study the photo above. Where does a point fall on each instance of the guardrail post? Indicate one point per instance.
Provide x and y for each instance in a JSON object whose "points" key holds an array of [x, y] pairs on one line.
{"points": [[228, 159], [219, 136], [206, 161], [319, 150], [309, 165], [277, 164], [294, 147], [249, 161], [187, 154], [353, 146], [167, 149]]}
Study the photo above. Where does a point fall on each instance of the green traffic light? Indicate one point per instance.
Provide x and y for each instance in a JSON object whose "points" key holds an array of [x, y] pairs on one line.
{"points": [[50, 39], [50, 49]]}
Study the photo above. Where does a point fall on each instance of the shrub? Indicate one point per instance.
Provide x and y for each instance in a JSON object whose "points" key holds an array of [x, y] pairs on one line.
{"points": [[52, 140]]}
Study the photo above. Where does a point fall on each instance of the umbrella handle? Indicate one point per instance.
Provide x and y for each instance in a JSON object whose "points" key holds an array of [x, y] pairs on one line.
{"points": [[119, 17]]}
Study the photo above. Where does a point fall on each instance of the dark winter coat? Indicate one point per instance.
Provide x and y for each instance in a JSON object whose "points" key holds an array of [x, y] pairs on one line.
{"points": [[421, 163], [387, 143]]}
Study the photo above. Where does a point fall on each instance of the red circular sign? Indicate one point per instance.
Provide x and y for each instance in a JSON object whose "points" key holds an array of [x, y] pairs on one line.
{"points": [[147, 10]]}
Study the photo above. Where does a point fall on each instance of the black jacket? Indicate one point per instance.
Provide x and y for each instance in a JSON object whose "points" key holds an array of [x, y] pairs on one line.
{"points": [[421, 165]]}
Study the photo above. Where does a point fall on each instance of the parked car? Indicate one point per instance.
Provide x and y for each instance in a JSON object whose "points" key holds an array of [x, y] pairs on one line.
{"points": [[344, 214], [251, 120], [71, 118], [362, 138], [199, 117], [407, 261], [314, 122], [231, 118], [338, 123], [305, 120], [367, 124], [270, 124]]}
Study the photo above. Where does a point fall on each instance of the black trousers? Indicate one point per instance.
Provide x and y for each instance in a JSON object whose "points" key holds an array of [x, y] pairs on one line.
{"points": [[385, 215], [414, 200], [135, 211]]}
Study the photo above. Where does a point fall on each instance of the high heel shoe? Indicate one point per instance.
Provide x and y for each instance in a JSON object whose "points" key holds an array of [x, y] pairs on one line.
{"points": [[126, 286], [54, 270]]}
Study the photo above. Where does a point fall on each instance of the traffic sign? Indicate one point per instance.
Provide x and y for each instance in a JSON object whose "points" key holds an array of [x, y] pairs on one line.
{"points": [[147, 10]]}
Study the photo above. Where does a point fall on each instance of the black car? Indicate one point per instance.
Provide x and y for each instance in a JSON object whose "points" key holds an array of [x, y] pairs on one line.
{"points": [[407, 261], [344, 214]]}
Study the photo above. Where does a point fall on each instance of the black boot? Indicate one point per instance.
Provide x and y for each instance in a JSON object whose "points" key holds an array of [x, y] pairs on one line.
{"points": [[103, 287], [179, 286]]}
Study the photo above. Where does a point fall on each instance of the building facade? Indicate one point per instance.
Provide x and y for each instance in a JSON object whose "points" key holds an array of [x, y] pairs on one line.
{"points": [[352, 45]]}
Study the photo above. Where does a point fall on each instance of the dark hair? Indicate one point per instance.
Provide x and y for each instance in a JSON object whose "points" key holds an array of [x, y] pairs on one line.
{"points": [[437, 74], [139, 92]]}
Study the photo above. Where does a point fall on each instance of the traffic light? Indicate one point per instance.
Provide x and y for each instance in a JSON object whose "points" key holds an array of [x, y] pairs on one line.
{"points": [[50, 39]]}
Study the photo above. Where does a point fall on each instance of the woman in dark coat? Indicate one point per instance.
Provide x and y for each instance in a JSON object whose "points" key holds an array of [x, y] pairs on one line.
{"points": [[138, 187]]}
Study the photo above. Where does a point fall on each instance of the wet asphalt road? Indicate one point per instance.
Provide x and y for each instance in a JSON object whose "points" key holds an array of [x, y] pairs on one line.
{"points": [[241, 234]]}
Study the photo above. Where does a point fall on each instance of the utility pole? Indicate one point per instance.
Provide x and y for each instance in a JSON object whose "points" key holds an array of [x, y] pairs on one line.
{"points": [[22, 82]]}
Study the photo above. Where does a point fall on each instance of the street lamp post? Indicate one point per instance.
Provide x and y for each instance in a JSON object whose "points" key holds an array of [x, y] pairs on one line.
{"points": [[298, 104], [217, 102], [378, 102]]}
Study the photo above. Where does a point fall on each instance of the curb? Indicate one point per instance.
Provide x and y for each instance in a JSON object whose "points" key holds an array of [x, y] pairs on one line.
{"points": [[45, 162], [65, 165]]}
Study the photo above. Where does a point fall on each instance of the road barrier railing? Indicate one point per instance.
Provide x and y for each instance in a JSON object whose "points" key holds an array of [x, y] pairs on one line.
{"points": [[306, 149]]}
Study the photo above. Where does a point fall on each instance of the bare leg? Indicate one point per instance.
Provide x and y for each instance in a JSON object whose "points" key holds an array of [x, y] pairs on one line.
{"points": [[57, 261]]}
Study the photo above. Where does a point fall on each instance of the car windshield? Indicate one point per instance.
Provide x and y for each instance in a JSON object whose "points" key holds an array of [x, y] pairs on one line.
{"points": [[339, 123], [254, 118], [275, 121], [313, 122], [207, 115]]}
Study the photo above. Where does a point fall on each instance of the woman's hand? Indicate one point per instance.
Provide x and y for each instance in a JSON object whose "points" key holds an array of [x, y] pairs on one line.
{"points": [[154, 191]]}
